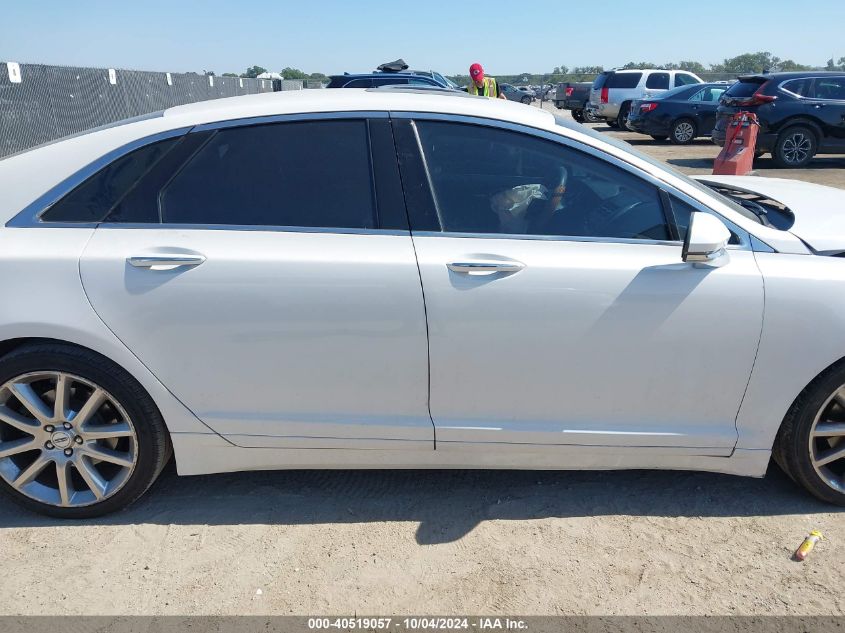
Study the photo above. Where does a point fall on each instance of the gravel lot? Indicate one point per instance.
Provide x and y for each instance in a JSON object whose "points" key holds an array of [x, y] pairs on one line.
{"points": [[443, 542]]}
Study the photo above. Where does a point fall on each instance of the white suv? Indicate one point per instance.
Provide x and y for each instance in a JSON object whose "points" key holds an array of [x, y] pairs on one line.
{"points": [[614, 90]]}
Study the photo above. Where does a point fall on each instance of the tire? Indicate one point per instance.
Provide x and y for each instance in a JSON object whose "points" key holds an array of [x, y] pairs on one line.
{"points": [[526, 100], [590, 118], [800, 454], [795, 147], [127, 424], [683, 132], [622, 117], [613, 123], [578, 115], [659, 137]]}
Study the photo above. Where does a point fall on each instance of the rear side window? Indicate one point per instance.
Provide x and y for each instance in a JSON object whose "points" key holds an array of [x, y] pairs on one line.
{"points": [[305, 174], [658, 81], [744, 89], [624, 80], [92, 200], [387, 81], [800, 87], [359, 83]]}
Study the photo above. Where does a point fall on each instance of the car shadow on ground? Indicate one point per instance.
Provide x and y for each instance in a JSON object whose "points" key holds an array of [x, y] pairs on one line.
{"points": [[447, 504]]}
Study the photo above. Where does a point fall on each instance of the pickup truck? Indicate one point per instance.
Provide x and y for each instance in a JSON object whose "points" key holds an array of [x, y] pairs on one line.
{"points": [[575, 96]]}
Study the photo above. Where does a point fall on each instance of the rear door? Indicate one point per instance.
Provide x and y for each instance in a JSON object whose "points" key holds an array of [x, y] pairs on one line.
{"points": [[826, 103], [267, 277], [703, 104]]}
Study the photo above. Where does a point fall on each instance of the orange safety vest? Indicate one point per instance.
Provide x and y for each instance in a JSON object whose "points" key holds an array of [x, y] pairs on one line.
{"points": [[488, 90]]}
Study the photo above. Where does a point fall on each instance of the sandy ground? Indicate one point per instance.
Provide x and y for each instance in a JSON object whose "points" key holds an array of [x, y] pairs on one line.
{"points": [[441, 542]]}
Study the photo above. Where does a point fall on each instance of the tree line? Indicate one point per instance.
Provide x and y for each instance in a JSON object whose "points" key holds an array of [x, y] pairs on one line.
{"points": [[745, 63]]}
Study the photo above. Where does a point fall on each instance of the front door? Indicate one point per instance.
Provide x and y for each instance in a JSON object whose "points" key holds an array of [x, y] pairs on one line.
{"points": [[559, 309], [265, 291]]}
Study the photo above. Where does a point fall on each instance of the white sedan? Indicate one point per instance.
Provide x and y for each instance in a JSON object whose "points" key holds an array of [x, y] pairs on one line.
{"points": [[389, 279]]}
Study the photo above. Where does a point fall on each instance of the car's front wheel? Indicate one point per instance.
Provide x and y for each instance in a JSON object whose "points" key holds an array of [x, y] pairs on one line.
{"points": [[79, 437], [578, 115], [795, 147], [810, 445]]}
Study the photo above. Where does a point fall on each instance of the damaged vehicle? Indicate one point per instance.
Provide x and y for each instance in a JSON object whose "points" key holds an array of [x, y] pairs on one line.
{"points": [[397, 279]]}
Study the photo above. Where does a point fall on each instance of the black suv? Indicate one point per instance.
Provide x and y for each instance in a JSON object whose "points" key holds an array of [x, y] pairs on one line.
{"points": [[800, 113], [380, 78]]}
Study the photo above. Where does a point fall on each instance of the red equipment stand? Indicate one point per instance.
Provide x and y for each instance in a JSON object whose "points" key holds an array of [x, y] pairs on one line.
{"points": [[737, 155]]}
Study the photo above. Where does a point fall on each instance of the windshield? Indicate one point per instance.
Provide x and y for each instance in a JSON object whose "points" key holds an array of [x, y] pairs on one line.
{"points": [[630, 149]]}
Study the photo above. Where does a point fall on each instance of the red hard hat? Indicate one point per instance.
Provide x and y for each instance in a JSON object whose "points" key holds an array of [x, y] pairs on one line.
{"points": [[476, 72]]}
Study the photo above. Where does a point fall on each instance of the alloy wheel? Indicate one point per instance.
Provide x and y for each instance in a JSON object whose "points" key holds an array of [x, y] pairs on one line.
{"points": [[796, 148], [684, 132], [827, 441], [64, 441]]}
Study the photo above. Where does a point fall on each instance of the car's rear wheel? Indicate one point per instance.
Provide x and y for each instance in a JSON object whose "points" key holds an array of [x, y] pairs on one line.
{"points": [[795, 147], [622, 117], [683, 132], [810, 445], [526, 100], [79, 437], [578, 115]]}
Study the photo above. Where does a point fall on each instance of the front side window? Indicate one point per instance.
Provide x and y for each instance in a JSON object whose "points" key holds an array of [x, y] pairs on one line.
{"points": [[388, 81], [305, 174], [684, 79], [493, 181], [658, 81]]}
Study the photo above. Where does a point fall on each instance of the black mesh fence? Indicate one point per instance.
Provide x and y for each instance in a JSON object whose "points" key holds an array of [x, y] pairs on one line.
{"points": [[40, 103]]}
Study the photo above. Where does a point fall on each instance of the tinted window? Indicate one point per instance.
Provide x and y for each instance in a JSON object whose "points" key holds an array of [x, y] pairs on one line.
{"points": [[386, 81], [683, 79], [681, 210], [624, 80], [744, 89], [828, 88], [708, 95], [359, 83], [658, 81], [494, 181], [599, 81], [92, 200], [798, 86], [314, 174]]}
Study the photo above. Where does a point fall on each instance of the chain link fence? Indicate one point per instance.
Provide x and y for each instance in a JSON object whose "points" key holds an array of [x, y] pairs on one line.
{"points": [[40, 103]]}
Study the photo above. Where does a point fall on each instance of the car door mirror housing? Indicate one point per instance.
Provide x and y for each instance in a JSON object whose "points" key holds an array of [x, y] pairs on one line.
{"points": [[706, 239]]}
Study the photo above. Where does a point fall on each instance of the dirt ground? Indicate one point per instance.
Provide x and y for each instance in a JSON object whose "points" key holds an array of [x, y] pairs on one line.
{"points": [[442, 542]]}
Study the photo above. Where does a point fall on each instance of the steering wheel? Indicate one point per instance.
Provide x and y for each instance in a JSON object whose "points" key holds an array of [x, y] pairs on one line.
{"points": [[618, 215]]}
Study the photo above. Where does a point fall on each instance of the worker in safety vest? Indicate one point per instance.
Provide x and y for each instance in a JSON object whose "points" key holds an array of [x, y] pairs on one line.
{"points": [[481, 85]]}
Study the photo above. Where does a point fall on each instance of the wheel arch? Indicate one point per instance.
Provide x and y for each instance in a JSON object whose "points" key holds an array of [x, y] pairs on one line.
{"points": [[177, 417], [804, 120]]}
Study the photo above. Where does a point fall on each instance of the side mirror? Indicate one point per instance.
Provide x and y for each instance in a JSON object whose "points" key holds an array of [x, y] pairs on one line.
{"points": [[707, 237]]}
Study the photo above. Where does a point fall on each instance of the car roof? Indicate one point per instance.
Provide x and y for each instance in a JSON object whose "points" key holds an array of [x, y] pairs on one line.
{"points": [[794, 74], [380, 73], [353, 100]]}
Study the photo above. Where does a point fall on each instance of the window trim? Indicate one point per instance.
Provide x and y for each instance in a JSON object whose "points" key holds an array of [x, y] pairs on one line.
{"points": [[30, 215], [744, 236], [813, 79]]}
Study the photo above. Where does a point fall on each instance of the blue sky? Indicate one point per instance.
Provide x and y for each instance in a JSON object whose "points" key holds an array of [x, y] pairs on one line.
{"points": [[331, 36]]}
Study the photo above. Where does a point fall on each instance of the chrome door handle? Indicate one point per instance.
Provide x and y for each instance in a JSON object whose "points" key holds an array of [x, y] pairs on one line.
{"points": [[485, 267], [151, 261]]}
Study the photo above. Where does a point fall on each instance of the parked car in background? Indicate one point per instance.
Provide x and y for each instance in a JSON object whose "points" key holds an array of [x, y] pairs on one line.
{"points": [[575, 97], [613, 90], [801, 114], [542, 296], [512, 93], [681, 115]]}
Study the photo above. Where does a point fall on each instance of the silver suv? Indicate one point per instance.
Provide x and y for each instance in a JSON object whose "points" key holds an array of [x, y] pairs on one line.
{"points": [[614, 90]]}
